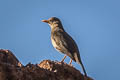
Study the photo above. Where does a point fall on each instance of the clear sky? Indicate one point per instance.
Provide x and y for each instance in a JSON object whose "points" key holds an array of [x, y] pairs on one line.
{"points": [[94, 25]]}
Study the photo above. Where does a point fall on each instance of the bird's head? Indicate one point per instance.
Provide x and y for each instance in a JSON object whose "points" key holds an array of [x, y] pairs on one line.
{"points": [[53, 22]]}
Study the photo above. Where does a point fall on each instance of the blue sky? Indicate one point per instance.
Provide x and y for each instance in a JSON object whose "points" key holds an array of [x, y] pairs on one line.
{"points": [[94, 25]]}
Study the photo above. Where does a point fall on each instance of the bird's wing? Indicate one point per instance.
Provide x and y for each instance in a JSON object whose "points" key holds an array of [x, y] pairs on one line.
{"points": [[66, 43]]}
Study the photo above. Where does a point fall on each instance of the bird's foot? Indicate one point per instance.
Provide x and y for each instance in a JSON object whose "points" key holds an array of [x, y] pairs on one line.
{"points": [[70, 63], [63, 59]]}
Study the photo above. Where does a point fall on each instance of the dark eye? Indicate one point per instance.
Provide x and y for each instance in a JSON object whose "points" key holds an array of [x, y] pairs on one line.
{"points": [[51, 21]]}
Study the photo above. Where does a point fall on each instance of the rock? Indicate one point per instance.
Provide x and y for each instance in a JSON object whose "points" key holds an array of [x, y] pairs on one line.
{"points": [[12, 69]]}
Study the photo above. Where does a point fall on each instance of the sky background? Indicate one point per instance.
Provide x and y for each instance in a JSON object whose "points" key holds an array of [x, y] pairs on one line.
{"points": [[94, 25]]}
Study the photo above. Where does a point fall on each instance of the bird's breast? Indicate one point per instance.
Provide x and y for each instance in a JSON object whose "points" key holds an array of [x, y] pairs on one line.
{"points": [[53, 43]]}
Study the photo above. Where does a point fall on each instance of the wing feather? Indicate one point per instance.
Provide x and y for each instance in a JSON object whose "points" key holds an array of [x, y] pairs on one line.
{"points": [[65, 43]]}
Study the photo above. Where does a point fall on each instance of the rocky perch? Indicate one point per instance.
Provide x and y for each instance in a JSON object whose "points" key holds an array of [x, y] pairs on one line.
{"points": [[12, 69]]}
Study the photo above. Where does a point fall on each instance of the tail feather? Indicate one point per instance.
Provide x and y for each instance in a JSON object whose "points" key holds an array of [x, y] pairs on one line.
{"points": [[83, 68], [78, 60]]}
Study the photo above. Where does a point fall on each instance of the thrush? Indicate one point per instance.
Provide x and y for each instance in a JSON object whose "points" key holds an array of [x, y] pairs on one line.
{"points": [[63, 42]]}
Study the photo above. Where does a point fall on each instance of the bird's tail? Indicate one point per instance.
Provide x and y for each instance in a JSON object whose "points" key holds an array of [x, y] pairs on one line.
{"points": [[78, 60]]}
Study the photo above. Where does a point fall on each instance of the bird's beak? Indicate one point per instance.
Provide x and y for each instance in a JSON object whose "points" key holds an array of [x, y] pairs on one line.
{"points": [[46, 21]]}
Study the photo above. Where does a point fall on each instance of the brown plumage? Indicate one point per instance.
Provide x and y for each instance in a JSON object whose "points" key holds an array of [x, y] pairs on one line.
{"points": [[62, 42]]}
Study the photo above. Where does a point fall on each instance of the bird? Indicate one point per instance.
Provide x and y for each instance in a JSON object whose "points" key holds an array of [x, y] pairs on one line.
{"points": [[63, 42]]}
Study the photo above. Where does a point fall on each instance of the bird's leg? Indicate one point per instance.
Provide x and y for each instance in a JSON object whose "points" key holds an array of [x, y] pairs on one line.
{"points": [[70, 62], [63, 58]]}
